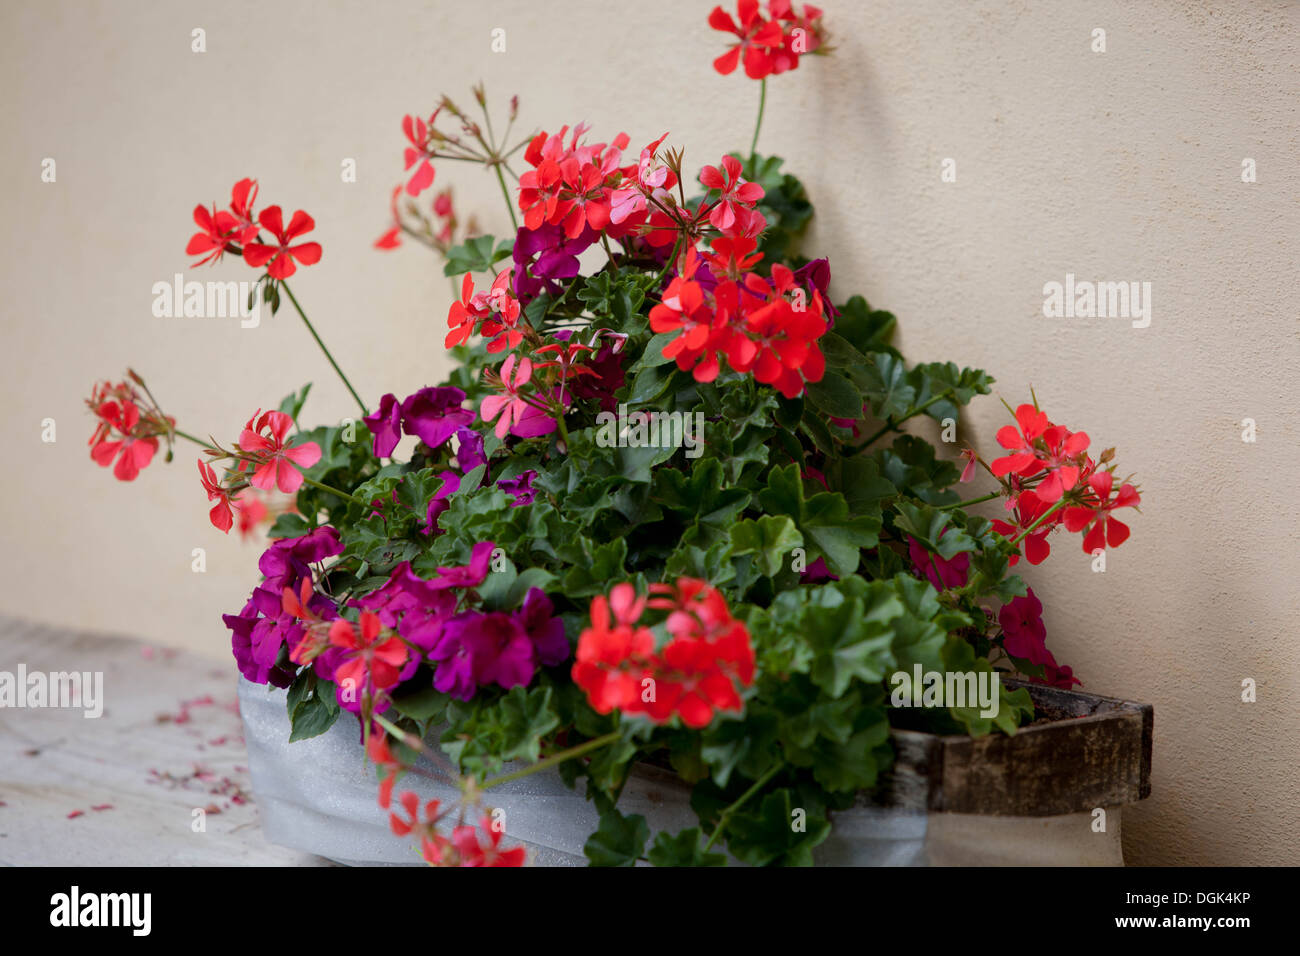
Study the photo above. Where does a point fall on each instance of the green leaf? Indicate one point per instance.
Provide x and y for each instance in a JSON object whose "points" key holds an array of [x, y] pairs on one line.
{"points": [[618, 841], [290, 524], [823, 520], [852, 639], [699, 495], [865, 328], [527, 717], [683, 849], [477, 254], [312, 706], [835, 396], [292, 403], [933, 529], [778, 832], [653, 355], [840, 352], [771, 537], [884, 384], [424, 704]]}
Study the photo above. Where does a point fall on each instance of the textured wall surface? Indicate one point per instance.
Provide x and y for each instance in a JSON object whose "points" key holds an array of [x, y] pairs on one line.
{"points": [[1122, 165]]}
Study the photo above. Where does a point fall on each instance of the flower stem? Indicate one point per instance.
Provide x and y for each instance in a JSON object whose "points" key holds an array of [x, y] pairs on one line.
{"points": [[334, 491], [762, 102], [973, 501], [663, 273], [510, 207], [310, 328], [583, 748], [726, 815], [1060, 503], [892, 425], [188, 437]]}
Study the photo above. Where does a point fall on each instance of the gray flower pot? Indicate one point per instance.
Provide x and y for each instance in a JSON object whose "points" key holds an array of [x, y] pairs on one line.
{"points": [[1028, 799]]}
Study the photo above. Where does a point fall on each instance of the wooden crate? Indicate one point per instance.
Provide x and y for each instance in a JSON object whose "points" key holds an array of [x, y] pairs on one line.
{"points": [[1093, 752]]}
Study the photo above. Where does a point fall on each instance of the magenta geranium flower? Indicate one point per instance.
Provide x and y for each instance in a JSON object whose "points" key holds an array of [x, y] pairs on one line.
{"points": [[470, 575], [1023, 632], [434, 414], [386, 425]]}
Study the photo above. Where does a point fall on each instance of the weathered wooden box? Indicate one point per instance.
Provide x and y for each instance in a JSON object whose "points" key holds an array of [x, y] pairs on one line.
{"points": [[1082, 751]]}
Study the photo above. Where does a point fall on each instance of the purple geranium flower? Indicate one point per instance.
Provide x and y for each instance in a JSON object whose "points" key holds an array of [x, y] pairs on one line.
{"points": [[412, 605], [478, 648], [251, 662], [537, 616], [818, 274], [286, 562], [386, 425], [434, 414], [472, 574], [469, 449], [521, 487], [543, 256], [262, 628]]}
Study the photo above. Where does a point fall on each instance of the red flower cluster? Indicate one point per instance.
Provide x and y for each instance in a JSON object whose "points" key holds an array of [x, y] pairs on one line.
{"points": [[768, 47], [237, 232], [769, 327], [464, 848], [127, 428], [1052, 480], [265, 449], [571, 185], [493, 314], [695, 673]]}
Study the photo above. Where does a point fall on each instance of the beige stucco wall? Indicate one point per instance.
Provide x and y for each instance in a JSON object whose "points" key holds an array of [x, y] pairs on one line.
{"points": [[1117, 166]]}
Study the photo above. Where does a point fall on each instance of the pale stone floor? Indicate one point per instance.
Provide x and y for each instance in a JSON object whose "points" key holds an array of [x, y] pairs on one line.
{"points": [[122, 789]]}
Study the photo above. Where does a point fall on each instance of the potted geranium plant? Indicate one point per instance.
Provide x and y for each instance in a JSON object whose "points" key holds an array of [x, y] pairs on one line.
{"points": [[664, 513]]}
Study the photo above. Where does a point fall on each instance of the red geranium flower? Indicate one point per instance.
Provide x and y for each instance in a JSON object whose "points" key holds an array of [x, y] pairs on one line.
{"points": [[757, 39], [281, 257], [276, 463], [221, 516], [1096, 511], [474, 852], [1023, 459], [694, 676], [135, 447], [216, 229], [373, 658], [417, 154], [433, 846], [1029, 508]]}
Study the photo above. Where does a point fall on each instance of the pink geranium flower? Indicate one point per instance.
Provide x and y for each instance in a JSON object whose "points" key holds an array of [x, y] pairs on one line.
{"points": [[276, 463], [738, 195], [512, 406]]}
